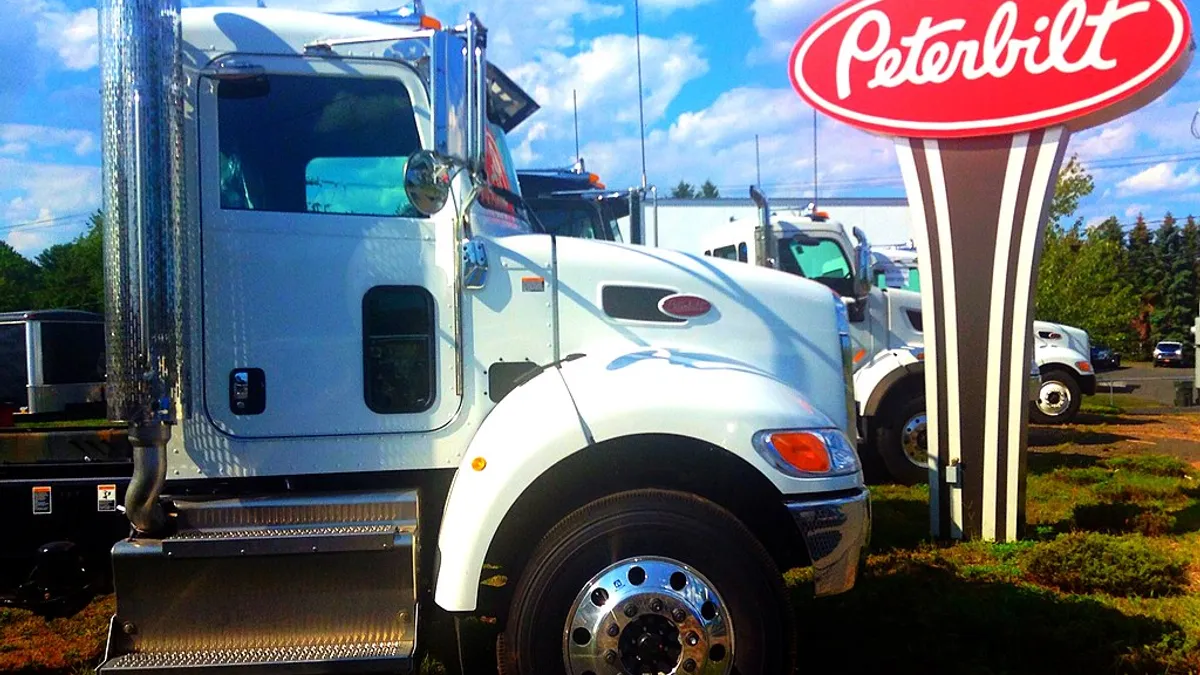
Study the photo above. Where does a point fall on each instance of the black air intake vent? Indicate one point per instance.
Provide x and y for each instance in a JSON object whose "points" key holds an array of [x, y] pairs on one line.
{"points": [[914, 317], [636, 303]]}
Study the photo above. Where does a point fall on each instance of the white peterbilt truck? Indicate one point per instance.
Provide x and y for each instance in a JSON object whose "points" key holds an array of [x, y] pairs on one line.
{"points": [[1062, 353], [353, 372]]}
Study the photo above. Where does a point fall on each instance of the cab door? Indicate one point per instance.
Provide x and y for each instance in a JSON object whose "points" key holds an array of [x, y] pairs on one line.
{"points": [[328, 299]]}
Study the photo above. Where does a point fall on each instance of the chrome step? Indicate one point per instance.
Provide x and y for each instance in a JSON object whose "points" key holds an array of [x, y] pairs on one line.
{"points": [[268, 580], [366, 657]]}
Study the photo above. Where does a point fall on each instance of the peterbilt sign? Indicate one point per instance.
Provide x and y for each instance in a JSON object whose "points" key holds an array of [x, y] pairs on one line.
{"points": [[948, 68]]}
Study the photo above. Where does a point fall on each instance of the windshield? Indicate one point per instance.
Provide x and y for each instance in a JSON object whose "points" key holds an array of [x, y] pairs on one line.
{"points": [[570, 217], [1169, 346], [820, 260], [316, 144]]}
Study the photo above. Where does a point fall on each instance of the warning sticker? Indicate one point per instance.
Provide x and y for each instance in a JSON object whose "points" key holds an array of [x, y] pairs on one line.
{"points": [[533, 284], [41, 500], [106, 498]]}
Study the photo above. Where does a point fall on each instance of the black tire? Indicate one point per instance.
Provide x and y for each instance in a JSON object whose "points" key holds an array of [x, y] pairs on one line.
{"points": [[1067, 415], [889, 442], [676, 525]]}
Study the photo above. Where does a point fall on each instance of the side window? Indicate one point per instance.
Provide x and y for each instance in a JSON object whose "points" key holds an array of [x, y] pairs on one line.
{"points": [[398, 349], [316, 144], [742, 252], [726, 252], [820, 260]]}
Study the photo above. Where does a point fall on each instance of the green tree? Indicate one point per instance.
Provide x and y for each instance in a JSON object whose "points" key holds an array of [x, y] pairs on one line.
{"points": [[1074, 183], [683, 191], [18, 280], [1109, 230], [1174, 276], [72, 274], [709, 191], [1080, 283], [1141, 261]]}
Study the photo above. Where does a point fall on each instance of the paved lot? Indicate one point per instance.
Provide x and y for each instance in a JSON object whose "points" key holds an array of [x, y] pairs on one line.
{"points": [[1144, 381]]}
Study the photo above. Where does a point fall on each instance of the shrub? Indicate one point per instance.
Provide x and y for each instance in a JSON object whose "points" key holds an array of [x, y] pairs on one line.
{"points": [[1123, 517], [1100, 563], [1154, 465]]}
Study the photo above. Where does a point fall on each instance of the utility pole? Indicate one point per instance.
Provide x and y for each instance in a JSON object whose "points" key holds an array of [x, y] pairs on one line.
{"points": [[757, 169], [575, 105], [637, 26]]}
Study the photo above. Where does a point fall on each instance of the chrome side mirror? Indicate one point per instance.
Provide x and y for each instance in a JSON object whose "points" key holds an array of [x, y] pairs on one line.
{"points": [[426, 182], [863, 264], [474, 264]]}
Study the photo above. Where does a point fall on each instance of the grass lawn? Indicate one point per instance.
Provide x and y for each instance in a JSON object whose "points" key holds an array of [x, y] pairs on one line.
{"points": [[1107, 580]]}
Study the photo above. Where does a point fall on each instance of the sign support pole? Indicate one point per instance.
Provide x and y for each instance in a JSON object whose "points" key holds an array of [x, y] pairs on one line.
{"points": [[979, 210]]}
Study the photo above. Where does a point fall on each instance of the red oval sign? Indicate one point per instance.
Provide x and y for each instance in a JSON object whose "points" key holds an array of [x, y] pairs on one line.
{"points": [[683, 306], [949, 68]]}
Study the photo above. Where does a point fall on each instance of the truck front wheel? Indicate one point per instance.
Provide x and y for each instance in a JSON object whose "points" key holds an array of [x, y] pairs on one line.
{"points": [[901, 441], [1058, 399], [649, 581]]}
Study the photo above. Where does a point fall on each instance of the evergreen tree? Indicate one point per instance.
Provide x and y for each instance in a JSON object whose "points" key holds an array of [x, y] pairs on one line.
{"points": [[709, 191], [18, 280], [1109, 230], [1080, 283], [683, 191], [1175, 276], [1141, 261]]}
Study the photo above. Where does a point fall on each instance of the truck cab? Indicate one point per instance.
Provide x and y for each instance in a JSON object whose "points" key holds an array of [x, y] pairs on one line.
{"points": [[356, 370]]}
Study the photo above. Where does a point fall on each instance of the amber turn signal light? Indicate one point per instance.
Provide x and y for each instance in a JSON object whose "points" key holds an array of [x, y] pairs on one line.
{"points": [[801, 450]]}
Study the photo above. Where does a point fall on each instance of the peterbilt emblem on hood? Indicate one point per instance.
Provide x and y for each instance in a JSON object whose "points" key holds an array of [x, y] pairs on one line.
{"points": [[684, 306]]}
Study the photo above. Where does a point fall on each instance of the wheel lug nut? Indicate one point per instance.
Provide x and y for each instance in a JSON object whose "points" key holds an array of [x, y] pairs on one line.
{"points": [[656, 605], [689, 665], [613, 630], [610, 657], [692, 639], [678, 614], [631, 611]]}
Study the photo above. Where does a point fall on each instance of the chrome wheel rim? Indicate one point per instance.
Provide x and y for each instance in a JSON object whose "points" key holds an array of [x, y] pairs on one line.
{"points": [[1054, 398], [914, 441], [648, 614]]}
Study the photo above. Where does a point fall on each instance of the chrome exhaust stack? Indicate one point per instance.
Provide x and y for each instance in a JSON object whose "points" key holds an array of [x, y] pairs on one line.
{"points": [[764, 239], [142, 102]]}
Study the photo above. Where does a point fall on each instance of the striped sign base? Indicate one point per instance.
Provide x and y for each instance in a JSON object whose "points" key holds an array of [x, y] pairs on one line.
{"points": [[979, 210]]}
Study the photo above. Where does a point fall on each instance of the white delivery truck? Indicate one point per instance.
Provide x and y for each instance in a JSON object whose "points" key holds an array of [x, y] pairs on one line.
{"points": [[886, 326], [354, 373], [1062, 353]]}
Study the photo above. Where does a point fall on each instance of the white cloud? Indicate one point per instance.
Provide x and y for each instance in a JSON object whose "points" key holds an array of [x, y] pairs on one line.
{"points": [[1133, 210], [37, 193], [717, 143], [604, 78], [18, 139], [72, 35], [1161, 176], [1107, 140], [781, 22], [662, 7]]}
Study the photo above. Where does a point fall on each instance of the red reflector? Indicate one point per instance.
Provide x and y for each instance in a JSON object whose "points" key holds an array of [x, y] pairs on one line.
{"points": [[682, 306]]}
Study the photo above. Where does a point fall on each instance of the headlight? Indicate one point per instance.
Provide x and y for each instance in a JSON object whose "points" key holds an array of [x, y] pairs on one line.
{"points": [[808, 453]]}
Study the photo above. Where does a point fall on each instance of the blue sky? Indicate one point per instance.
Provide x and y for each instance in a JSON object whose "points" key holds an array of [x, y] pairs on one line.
{"points": [[715, 75]]}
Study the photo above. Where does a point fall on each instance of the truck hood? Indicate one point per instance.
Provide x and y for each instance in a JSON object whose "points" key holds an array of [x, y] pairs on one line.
{"points": [[1073, 338], [775, 323]]}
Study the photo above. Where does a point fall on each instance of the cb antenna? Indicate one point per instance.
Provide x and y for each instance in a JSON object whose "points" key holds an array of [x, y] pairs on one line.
{"points": [[1196, 124], [575, 104], [814, 159], [637, 27]]}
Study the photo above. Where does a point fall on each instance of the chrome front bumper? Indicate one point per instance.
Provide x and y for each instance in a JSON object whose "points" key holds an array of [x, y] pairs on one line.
{"points": [[836, 532]]}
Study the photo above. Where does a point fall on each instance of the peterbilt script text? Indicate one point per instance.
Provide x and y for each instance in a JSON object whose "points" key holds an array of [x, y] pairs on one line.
{"points": [[919, 59]]}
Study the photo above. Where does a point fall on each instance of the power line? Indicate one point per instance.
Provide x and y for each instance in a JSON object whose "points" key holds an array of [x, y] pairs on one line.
{"points": [[43, 221]]}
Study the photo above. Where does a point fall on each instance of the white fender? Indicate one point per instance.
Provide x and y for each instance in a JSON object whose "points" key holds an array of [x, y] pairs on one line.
{"points": [[711, 398], [873, 378], [1048, 354]]}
